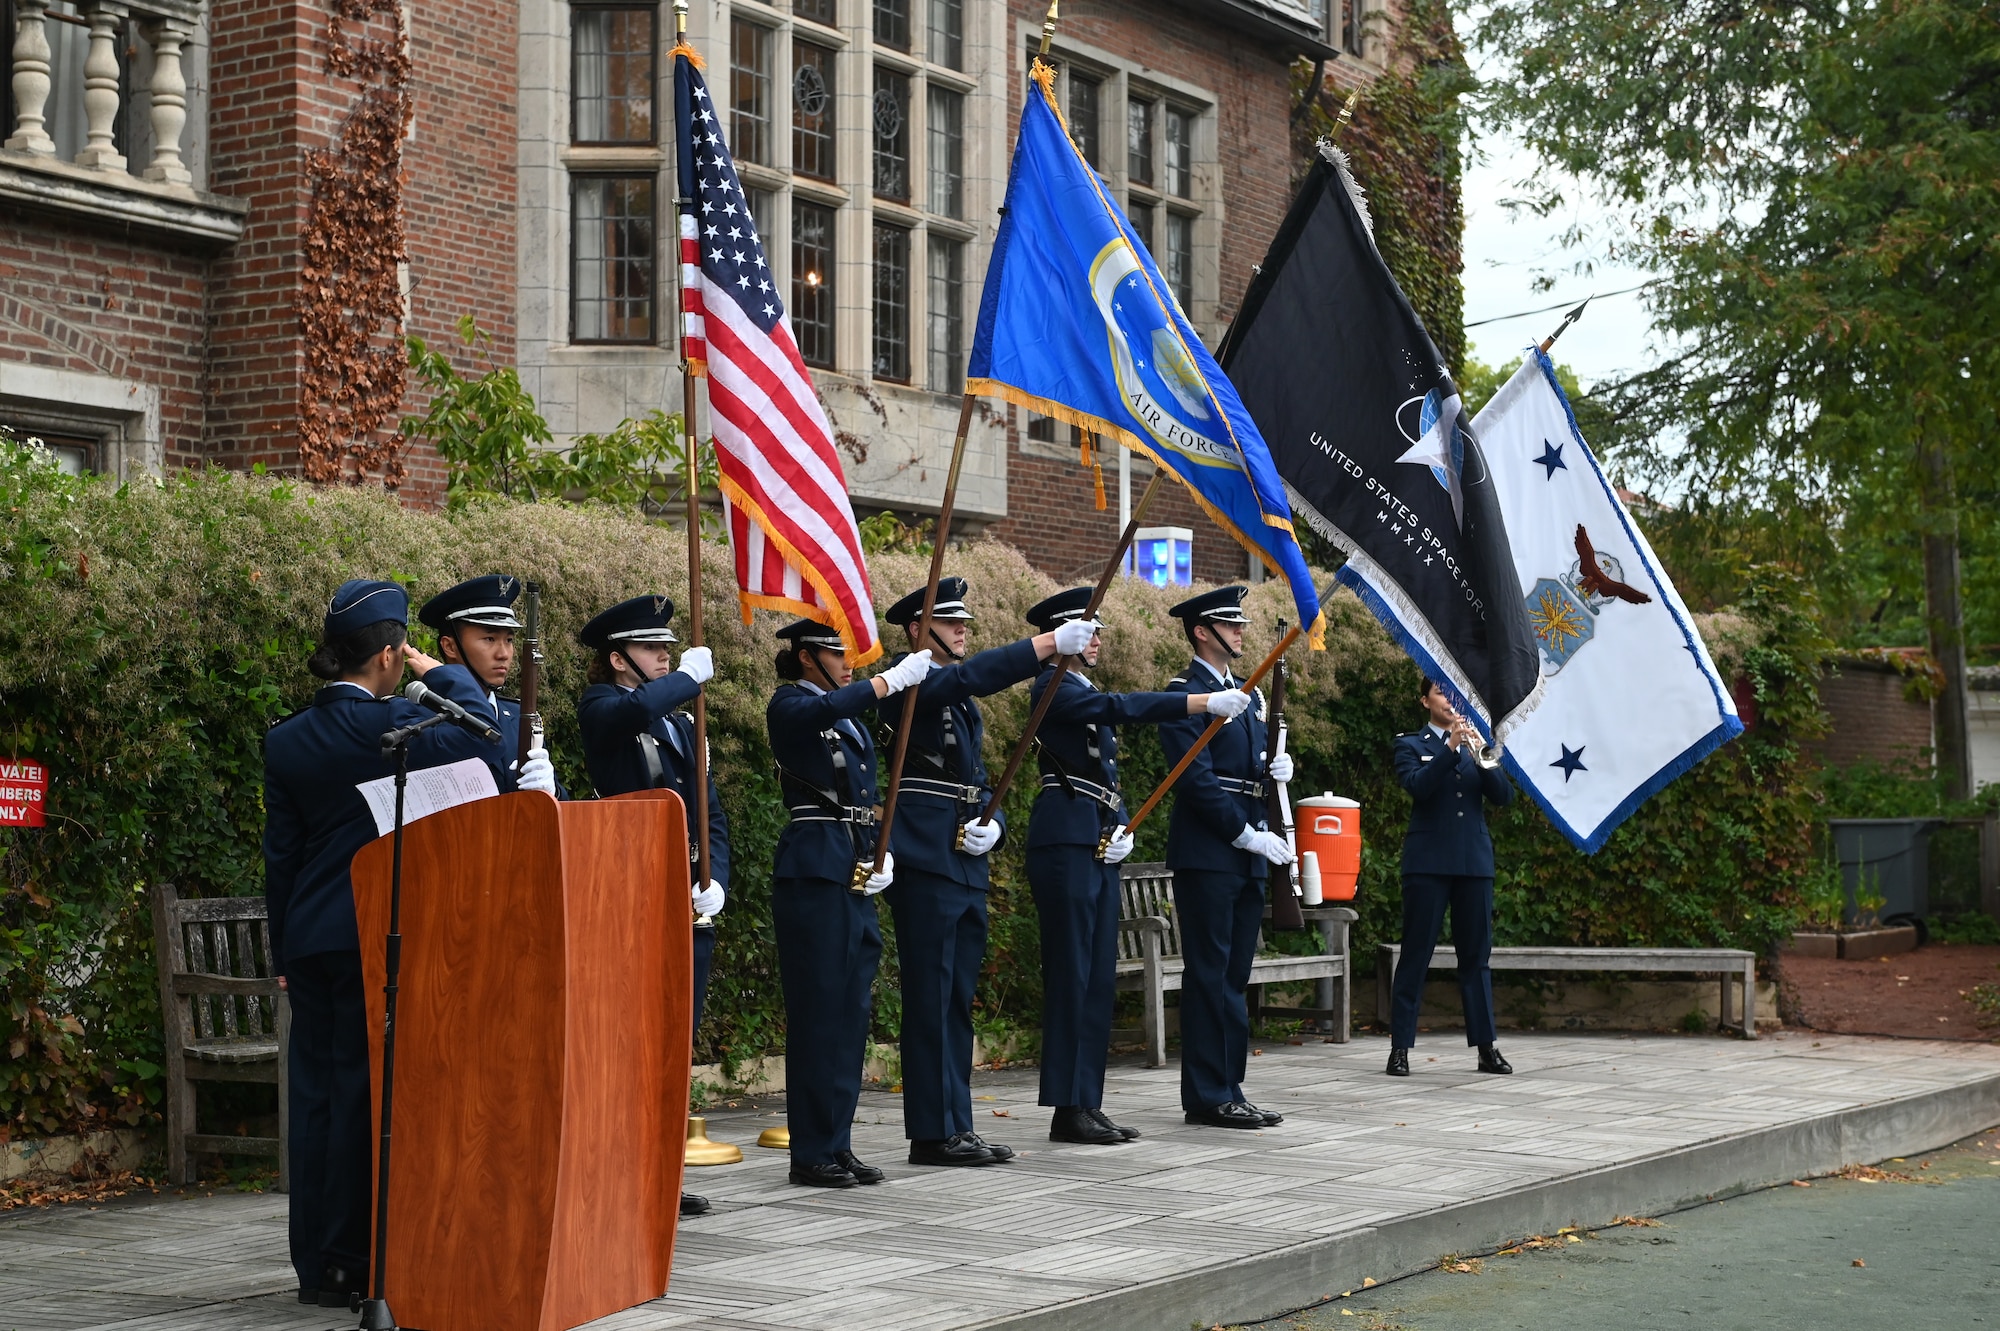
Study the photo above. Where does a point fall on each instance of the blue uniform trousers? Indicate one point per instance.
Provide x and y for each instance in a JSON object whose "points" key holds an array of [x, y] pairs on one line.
{"points": [[331, 1124], [829, 944], [1220, 915], [1425, 896], [940, 947], [704, 959], [1076, 899]]}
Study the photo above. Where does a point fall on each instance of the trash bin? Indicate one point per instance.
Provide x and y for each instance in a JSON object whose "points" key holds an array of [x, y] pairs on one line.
{"points": [[1889, 858]]}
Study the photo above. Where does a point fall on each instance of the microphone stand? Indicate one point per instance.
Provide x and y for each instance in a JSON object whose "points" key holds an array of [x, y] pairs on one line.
{"points": [[375, 1314]]}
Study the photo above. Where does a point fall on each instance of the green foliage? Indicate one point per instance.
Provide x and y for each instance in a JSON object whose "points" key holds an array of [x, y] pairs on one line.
{"points": [[153, 630], [1403, 144], [1818, 185], [495, 442], [885, 533]]}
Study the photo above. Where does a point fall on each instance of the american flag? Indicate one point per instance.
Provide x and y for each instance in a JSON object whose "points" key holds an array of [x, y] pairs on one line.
{"points": [[784, 494]]}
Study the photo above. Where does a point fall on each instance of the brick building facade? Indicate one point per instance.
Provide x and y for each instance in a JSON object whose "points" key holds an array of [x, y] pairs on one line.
{"points": [[150, 298]]}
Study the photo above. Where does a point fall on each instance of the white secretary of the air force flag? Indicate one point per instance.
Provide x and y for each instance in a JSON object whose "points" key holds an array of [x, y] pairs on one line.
{"points": [[1631, 697]]}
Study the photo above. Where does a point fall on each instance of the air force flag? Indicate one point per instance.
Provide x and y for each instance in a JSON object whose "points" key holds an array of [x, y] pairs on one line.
{"points": [[1630, 697], [1076, 322]]}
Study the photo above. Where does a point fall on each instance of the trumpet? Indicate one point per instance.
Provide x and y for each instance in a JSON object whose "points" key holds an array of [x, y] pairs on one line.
{"points": [[1486, 755]]}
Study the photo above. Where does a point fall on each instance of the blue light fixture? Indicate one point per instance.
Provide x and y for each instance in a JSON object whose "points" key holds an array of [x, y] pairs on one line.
{"points": [[1163, 556]]}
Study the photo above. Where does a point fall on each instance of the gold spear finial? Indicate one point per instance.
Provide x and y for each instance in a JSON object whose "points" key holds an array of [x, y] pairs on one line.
{"points": [[1346, 112], [1049, 28], [680, 21]]}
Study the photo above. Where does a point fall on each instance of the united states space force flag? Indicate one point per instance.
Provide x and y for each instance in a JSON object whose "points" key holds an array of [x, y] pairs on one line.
{"points": [[1365, 427], [1630, 697]]}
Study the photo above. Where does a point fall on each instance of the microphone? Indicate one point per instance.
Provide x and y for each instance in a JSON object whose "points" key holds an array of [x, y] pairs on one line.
{"points": [[458, 716]]}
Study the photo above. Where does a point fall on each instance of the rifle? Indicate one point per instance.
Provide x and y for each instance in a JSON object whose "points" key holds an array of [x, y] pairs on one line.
{"points": [[1285, 889], [531, 676]]}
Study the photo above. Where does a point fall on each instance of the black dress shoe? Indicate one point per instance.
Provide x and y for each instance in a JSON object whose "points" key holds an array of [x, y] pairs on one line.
{"points": [[338, 1287], [1234, 1115], [1491, 1061], [1072, 1124], [693, 1205], [1129, 1134], [1001, 1154], [823, 1176], [850, 1162], [309, 1297], [1271, 1118], [963, 1149], [1399, 1062]]}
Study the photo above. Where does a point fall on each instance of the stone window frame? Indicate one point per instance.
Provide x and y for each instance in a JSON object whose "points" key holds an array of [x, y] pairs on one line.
{"points": [[581, 160], [851, 194]]}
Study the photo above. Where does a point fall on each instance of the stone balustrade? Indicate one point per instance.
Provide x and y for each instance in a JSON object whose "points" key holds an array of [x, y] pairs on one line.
{"points": [[165, 25]]}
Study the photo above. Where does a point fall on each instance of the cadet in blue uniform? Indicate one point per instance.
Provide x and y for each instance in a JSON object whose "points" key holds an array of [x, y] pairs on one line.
{"points": [[315, 821], [1076, 893], [635, 737], [939, 898], [829, 941], [475, 625], [1447, 861], [1220, 850]]}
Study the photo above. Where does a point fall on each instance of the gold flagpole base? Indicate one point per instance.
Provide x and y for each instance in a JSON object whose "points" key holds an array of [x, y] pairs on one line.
{"points": [[702, 1151], [775, 1139]]}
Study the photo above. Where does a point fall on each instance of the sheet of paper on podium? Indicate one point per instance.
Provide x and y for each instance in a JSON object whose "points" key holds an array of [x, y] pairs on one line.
{"points": [[431, 790]]}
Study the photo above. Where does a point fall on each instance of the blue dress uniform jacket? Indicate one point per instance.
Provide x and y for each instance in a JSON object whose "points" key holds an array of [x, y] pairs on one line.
{"points": [[809, 731], [828, 935], [1076, 894], [1214, 799], [314, 818], [1449, 792], [1079, 739], [946, 741], [612, 719]]}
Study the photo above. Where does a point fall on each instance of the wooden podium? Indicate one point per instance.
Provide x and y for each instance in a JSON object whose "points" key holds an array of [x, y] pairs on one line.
{"points": [[542, 1057]]}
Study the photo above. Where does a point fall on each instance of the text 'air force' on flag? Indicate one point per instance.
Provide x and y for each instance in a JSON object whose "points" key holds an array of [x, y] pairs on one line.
{"points": [[1076, 323], [1630, 697], [791, 529], [1364, 424]]}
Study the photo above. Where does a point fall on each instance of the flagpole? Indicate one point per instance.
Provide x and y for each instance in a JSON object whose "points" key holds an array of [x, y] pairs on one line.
{"points": [[691, 438], [1063, 663], [1215, 726], [938, 539]]}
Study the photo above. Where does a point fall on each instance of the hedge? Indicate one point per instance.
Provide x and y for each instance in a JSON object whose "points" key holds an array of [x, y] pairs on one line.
{"points": [[150, 632]]}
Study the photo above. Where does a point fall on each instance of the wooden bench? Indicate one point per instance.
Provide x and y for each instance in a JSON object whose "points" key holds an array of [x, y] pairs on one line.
{"points": [[225, 1017], [1732, 964], [1149, 959]]}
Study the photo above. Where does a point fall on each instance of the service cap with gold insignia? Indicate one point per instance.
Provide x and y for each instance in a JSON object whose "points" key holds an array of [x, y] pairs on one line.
{"points": [[1224, 605], [950, 604], [488, 601], [641, 619]]}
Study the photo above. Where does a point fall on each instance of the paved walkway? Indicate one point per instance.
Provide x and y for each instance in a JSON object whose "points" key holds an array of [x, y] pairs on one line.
{"points": [[1368, 1176]]}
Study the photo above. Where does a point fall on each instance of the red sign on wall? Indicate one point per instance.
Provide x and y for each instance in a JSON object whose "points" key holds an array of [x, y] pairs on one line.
{"points": [[24, 789]]}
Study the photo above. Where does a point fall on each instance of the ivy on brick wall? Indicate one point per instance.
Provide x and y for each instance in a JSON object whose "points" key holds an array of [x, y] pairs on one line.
{"points": [[1403, 143], [350, 300]]}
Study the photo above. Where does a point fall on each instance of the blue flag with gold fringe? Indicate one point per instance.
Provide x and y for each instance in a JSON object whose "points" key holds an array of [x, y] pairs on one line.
{"points": [[1077, 323]]}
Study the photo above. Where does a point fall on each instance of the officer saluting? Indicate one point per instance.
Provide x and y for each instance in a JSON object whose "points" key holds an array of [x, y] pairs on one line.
{"points": [[1219, 849], [939, 897], [829, 940], [475, 625], [1447, 861], [315, 821], [1076, 893], [635, 737]]}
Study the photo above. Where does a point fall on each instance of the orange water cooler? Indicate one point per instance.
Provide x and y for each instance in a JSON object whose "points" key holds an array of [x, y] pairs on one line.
{"points": [[1329, 827]]}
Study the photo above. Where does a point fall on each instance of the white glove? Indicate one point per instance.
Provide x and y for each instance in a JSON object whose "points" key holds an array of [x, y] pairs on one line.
{"points": [[877, 881], [979, 837], [709, 900], [538, 773], [1120, 845], [1228, 704], [906, 672], [1268, 844], [1072, 636], [698, 664], [1281, 767]]}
